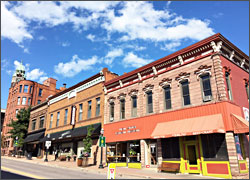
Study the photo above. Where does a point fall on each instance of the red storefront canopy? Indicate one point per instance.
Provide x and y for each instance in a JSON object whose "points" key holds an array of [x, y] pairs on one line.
{"points": [[192, 126], [240, 125]]}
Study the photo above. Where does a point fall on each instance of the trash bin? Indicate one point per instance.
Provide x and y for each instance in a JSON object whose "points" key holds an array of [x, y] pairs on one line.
{"points": [[29, 156]]}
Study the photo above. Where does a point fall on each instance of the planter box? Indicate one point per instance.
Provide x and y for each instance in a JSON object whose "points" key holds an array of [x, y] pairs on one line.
{"points": [[85, 161], [79, 161]]}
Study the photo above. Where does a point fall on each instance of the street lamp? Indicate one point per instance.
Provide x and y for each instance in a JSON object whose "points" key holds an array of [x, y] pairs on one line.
{"points": [[101, 165], [16, 145]]}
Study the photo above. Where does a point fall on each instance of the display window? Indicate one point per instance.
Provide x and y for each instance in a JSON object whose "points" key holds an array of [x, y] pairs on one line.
{"points": [[117, 152], [134, 150], [239, 147]]}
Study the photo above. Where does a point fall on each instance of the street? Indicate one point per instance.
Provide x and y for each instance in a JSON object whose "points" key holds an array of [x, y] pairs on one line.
{"points": [[35, 171], [9, 175]]}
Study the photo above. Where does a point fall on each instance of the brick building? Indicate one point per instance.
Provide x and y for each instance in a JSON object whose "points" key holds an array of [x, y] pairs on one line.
{"points": [[71, 111], [36, 130], [22, 94], [2, 118], [188, 108]]}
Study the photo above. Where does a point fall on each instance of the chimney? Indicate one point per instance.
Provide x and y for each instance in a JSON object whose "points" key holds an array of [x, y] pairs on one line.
{"points": [[64, 85]]}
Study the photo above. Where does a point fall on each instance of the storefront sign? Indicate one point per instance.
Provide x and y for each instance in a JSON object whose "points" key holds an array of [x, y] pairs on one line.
{"points": [[246, 113], [111, 171], [73, 115], [125, 130]]}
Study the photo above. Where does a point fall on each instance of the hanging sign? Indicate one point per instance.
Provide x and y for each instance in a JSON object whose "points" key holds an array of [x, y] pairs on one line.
{"points": [[48, 144], [102, 141], [111, 171], [73, 115]]}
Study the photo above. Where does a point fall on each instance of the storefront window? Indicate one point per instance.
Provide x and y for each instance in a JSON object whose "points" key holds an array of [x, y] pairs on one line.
{"points": [[170, 148], [117, 152], [214, 147], [134, 152], [238, 147]]}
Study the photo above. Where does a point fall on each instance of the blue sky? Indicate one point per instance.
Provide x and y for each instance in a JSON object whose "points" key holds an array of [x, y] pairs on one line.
{"points": [[71, 41]]}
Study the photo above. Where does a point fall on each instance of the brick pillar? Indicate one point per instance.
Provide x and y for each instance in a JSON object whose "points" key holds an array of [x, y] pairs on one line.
{"points": [[159, 151], [142, 143], [219, 78], [232, 154]]}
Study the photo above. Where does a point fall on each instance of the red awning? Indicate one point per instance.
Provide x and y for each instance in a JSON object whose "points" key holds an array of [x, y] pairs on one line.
{"points": [[192, 126], [240, 125]]}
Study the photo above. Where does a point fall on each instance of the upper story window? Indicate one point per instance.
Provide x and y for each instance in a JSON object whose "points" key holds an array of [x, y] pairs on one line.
{"points": [[20, 88], [149, 102], [41, 122], [58, 118], [112, 111], [38, 101], [40, 92], [134, 106], [33, 125], [18, 101], [185, 92], [89, 108], [31, 87], [97, 112], [25, 90], [122, 109], [16, 111], [24, 100], [228, 83], [80, 112], [206, 88], [29, 101], [65, 116], [167, 97], [51, 121], [247, 90]]}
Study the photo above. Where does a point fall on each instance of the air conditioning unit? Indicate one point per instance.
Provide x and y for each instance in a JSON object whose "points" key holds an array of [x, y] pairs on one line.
{"points": [[111, 119], [207, 98]]}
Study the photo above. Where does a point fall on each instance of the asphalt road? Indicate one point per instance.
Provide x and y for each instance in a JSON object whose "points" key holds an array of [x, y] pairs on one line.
{"points": [[9, 175], [37, 171]]}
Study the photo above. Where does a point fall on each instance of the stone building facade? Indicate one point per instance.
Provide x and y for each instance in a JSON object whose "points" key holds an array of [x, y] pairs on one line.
{"points": [[22, 94], [173, 109]]}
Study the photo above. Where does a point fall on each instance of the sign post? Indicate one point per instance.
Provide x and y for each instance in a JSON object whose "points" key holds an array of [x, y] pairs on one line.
{"points": [[47, 144], [111, 171]]}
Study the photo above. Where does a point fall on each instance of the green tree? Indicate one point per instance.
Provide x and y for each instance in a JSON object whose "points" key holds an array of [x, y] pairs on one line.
{"points": [[87, 141], [20, 127]]}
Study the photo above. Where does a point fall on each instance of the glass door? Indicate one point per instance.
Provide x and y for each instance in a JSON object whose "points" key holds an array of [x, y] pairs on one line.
{"points": [[153, 154]]}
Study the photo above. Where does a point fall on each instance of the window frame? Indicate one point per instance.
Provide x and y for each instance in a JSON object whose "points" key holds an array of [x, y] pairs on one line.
{"points": [[65, 116], [42, 117], [25, 90], [164, 95], [122, 112], [149, 92], [247, 90], [183, 101], [20, 88], [38, 101], [40, 92], [29, 101], [24, 101], [98, 106], [31, 88], [89, 109], [111, 113], [33, 124], [202, 86], [18, 100], [57, 118], [133, 109], [80, 112], [228, 86], [51, 121]]}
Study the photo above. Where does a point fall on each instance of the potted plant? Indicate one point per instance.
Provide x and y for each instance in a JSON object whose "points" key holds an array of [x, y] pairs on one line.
{"points": [[79, 160], [68, 157], [87, 144]]}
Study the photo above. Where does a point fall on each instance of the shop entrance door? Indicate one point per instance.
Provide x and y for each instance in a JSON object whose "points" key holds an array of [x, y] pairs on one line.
{"points": [[153, 154], [192, 158]]}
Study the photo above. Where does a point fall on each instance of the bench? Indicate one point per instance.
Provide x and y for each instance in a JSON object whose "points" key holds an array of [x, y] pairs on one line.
{"points": [[62, 158], [172, 167]]}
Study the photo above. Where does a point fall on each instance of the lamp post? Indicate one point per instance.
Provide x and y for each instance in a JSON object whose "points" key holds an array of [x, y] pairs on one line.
{"points": [[101, 165], [46, 157], [16, 145]]}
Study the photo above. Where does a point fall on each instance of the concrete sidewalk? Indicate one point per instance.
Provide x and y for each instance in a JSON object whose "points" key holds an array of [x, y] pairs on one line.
{"points": [[120, 171]]}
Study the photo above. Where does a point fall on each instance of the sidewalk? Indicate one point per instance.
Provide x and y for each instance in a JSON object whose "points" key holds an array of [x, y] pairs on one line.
{"points": [[120, 171]]}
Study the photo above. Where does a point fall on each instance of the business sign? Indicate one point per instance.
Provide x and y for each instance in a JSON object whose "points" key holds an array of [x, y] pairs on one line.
{"points": [[48, 144], [102, 141], [111, 171], [246, 113], [73, 115]]}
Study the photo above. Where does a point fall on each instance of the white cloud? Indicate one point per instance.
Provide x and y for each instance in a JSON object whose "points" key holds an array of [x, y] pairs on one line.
{"points": [[91, 37], [218, 15], [26, 50], [41, 38], [111, 55], [13, 27], [171, 46], [35, 74], [43, 78], [65, 44], [75, 66], [132, 60]]}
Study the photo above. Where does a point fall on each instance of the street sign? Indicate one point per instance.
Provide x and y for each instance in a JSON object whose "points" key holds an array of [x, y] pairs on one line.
{"points": [[102, 141], [48, 144], [111, 171], [15, 142]]}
